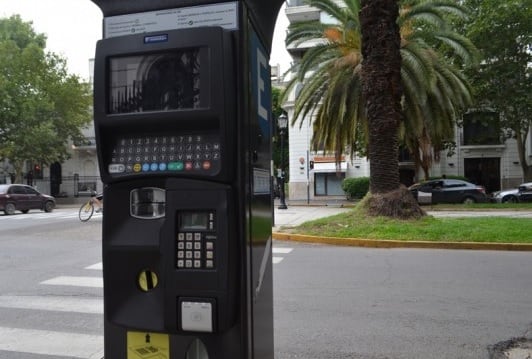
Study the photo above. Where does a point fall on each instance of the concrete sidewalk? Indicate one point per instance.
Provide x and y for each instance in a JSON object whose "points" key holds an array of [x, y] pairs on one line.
{"points": [[295, 215]]}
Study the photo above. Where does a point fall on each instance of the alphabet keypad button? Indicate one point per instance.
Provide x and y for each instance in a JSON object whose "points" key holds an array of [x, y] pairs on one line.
{"points": [[184, 154]]}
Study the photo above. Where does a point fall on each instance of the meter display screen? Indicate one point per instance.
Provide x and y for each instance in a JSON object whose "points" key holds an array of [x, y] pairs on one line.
{"points": [[155, 82], [194, 221]]}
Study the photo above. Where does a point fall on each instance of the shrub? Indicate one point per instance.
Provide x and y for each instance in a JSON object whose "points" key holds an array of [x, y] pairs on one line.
{"points": [[355, 188]]}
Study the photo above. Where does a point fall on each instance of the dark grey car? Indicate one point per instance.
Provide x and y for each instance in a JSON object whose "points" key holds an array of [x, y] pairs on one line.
{"points": [[448, 191], [20, 197], [524, 193]]}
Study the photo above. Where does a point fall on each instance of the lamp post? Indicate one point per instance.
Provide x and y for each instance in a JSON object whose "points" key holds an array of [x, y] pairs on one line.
{"points": [[282, 122]]}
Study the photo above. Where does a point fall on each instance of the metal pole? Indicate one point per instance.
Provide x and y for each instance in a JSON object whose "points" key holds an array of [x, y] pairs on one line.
{"points": [[282, 194]]}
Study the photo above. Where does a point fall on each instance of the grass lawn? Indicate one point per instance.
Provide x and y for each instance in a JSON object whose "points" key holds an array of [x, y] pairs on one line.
{"points": [[475, 229]]}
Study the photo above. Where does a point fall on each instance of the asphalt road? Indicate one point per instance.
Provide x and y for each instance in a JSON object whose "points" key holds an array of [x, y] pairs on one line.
{"points": [[51, 298], [338, 302], [330, 302]]}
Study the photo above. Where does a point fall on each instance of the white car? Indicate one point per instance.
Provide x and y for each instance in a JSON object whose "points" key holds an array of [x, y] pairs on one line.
{"points": [[509, 195]]}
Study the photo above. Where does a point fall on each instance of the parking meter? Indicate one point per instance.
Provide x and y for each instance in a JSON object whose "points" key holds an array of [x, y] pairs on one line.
{"points": [[182, 115]]}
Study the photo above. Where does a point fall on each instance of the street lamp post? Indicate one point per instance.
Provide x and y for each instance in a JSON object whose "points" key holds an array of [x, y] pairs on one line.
{"points": [[282, 122]]}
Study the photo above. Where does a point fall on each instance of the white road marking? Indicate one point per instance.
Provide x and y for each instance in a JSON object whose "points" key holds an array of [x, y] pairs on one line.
{"points": [[45, 342], [58, 304], [96, 266], [282, 250], [42, 215], [94, 282]]}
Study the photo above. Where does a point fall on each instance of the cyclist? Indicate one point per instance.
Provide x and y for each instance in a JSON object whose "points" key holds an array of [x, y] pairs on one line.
{"points": [[97, 200]]}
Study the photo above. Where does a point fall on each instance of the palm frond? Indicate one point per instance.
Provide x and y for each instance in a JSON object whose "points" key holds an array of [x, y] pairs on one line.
{"points": [[434, 87]]}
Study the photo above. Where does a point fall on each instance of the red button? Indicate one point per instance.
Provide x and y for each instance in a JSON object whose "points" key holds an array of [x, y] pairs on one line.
{"points": [[206, 165], [188, 166]]}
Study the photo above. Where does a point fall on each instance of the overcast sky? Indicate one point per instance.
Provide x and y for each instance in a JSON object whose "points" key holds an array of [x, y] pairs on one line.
{"points": [[73, 27]]}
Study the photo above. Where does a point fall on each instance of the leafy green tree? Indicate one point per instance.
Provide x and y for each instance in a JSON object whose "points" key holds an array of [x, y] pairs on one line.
{"points": [[503, 33], [42, 107]]}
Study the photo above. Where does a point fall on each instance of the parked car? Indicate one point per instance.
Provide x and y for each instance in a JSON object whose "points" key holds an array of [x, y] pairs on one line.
{"points": [[448, 191], [511, 195], [19, 197], [525, 192]]}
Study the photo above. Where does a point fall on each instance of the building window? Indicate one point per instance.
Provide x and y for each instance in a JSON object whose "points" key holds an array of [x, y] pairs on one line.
{"points": [[328, 184], [404, 155], [296, 3], [530, 142], [481, 128]]}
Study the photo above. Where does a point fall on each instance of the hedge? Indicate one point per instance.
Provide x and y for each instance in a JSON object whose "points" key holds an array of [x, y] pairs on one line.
{"points": [[355, 187]]}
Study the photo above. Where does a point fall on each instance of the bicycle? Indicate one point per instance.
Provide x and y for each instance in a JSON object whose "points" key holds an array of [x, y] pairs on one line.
{"points": [[87, 209]]}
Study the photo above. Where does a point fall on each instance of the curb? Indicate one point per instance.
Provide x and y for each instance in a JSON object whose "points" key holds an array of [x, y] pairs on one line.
{"points": [[374, 243]]}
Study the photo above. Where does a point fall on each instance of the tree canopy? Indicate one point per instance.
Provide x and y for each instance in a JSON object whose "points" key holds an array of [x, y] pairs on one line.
{"points": [[42, 107], [503, 83]]}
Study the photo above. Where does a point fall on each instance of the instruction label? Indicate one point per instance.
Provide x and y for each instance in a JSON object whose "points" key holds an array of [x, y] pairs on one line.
{"points": [[142, 345], [224, 15]]}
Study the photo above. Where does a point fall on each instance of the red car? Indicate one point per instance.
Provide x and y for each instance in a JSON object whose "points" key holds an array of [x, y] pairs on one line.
{"points": [[19, 197]]}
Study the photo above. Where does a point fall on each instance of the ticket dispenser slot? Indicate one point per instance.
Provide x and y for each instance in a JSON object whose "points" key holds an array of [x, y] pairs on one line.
{"points": [[147, 203]]}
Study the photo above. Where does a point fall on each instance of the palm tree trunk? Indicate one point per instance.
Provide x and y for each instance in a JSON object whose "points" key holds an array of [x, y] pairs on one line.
{"points": [[381, 88]]}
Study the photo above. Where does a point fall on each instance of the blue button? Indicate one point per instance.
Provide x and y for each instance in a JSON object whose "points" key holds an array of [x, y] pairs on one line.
{"points": [[154, 166], [145, 167], [162, 166]]}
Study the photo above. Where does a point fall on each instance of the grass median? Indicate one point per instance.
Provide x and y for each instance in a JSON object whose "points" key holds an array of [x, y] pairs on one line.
{"points": [[354, 224]]}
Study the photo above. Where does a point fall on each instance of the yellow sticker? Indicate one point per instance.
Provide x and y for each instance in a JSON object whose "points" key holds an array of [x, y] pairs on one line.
{"points": [[142, 345]]}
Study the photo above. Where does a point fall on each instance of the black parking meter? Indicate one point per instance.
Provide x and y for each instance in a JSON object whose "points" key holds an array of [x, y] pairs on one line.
{"points": [[182, 114]]}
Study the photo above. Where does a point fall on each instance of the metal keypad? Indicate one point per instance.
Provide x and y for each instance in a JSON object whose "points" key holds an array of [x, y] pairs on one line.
{"points": [[196, 250]]}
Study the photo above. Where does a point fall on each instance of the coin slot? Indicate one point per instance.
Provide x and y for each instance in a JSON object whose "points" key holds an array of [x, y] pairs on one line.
{"points": [[147, 280]]}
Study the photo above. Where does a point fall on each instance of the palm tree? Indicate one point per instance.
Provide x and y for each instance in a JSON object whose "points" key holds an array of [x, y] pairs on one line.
{"points": [[432, 86]]}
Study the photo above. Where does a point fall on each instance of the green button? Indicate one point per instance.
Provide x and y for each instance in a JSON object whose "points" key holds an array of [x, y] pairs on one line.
{"points": [[175, 166]]}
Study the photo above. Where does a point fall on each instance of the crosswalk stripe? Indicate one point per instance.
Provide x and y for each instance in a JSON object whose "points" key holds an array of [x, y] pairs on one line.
{"points": [[96, 266], [38, 216], [94, 282], [44, 342], [276, 260], [57, 304], [282, 250]]}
